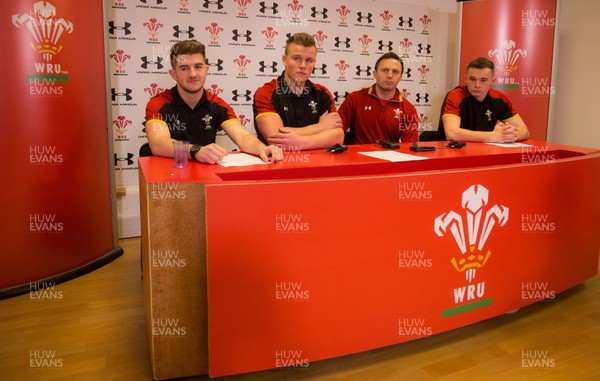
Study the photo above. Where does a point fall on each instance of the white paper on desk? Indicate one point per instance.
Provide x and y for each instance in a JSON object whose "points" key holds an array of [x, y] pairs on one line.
{"points": [[510, 145], [240, 160], [392, 156]]}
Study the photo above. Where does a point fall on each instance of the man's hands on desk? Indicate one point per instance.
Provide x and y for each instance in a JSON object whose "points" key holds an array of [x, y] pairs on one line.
{"points": [[210, 154], [327, 131], [271, 154], [213, 153], [287, 137], [504, 133]]}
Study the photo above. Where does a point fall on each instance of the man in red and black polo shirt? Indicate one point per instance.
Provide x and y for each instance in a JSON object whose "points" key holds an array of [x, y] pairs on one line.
{"points": [[187, 112], [476, 112], [291, 111]]}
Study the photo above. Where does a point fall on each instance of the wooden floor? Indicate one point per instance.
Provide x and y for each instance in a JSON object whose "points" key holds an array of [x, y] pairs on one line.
{"points": [[93, 328]]}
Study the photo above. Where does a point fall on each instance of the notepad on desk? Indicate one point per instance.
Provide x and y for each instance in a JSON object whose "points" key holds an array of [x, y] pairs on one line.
{"points": [[240, 160], [510, 145], [393, 156]]}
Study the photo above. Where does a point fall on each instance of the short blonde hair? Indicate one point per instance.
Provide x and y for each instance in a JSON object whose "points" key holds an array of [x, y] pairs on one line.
{"points": [[302, 39]]}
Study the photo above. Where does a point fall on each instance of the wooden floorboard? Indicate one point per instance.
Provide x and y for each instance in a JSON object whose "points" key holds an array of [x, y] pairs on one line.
{"points": [[93, 328]]}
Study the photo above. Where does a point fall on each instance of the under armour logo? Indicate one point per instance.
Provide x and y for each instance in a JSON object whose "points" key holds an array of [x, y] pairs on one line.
{"points": [[263, 66], [337, 96], [218, 64], [424, 97], [285, 108], [367, 70], [146, 62], [389, 45], [208, 3], [322, 69], [188, 32], [237, 35], [157, 1], [315, 12], [237, 95], [360, 17], [424, 48], [272, 8], [339, 42], [125, 27], [408, 21], [407, 73], [126, 94], [127, 159], [367, 108]]}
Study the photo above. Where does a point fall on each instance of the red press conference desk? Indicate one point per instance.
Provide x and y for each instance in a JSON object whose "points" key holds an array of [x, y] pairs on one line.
{"points": [[323, 255]]}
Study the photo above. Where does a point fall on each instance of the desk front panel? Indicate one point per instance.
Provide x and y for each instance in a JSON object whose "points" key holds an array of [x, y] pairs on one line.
{"points": [[304, 270]]}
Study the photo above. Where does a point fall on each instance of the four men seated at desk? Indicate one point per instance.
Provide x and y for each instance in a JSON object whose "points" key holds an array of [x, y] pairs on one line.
{"points": [[293, 113]]}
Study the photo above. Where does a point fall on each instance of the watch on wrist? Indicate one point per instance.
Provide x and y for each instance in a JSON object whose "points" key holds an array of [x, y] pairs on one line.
{"points": [[194, 150]]}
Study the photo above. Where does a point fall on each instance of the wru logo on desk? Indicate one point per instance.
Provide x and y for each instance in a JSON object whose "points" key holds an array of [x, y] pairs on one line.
{"points": [[481, 220]]}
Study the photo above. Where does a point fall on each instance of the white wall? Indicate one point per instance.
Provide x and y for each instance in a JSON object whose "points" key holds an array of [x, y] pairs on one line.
{"points": [[577, 80]]}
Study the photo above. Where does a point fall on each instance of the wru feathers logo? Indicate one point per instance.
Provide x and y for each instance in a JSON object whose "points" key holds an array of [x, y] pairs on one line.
{"points": [[45, 28], [507, 56], [481, 220]]}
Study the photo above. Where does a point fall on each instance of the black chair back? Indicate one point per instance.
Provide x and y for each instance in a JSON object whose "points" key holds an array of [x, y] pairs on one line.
{"points": [[145, 150]]}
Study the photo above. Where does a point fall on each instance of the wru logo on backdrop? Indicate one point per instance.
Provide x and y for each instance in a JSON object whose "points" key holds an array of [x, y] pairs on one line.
{"points": [[46, 29]]}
